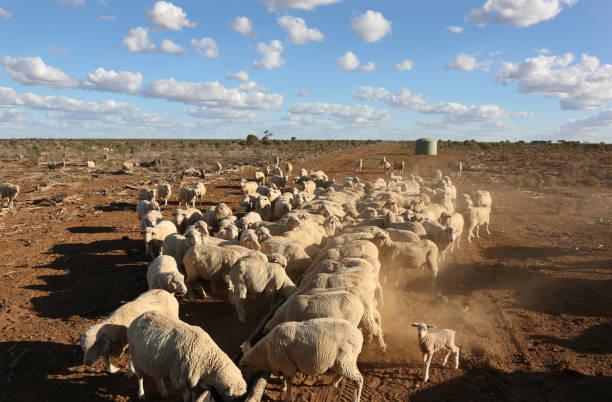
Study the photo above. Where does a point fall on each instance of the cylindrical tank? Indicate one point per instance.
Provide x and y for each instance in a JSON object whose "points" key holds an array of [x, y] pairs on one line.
{"points": [[426, 146]]}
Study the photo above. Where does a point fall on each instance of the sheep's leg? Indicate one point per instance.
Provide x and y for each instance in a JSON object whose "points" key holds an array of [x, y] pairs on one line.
{"points": [[130, 371], [141, 394], [239, 305], [448, 352], [337, 380], [487, 227], [424, 357], [456, 352], [161, 387], [477, 231], [426, 369], [288, 380], [351, 372], [109, 365]]}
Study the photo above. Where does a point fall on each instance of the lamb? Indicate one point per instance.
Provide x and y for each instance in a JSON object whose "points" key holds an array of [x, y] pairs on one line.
{"points": [[260, 178], [185, 217], [217, 167], [288, 168], [91, 165], [312, 347], [157, 234], [317, 303], [210, 262], [176, 245], [358, 165], [455, 221], [187, 196], [252, 275], [147, 194], [163, 273], [431, 343], [248, 187], [397, 255], [483, 199], [9, 191], [200, 190], [399, 167], [476, 216], [164, 190], [109, 337], [443, 236], [165, 347]]}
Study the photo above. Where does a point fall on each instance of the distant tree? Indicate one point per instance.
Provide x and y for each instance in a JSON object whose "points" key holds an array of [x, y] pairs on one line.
{"points": [[293, 139], [252, 139], [267, 135]]}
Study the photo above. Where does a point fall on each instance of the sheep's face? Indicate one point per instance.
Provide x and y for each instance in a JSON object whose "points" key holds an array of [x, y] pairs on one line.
{"points": [[193, 237], [422, 328], [380, 239], [148, 234], [179, 217], [249, 240], [263, 233], [293, 222], [277, 259], [176, 284]]}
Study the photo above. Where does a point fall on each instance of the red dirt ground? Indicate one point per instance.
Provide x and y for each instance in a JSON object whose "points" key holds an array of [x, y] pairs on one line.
{"points": [[531, 303]]}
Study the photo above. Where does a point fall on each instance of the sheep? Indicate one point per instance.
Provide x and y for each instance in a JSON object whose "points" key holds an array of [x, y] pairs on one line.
{"points": [[443, 236], [127, 167], [357, 283], [387, 166], [228, 232], [248, 187], [248, 239], [358, 248], [436, 175], [397, 255], [279, 181], [358, 165], [214, 214], [476, 216], [260, 178], [399, 167], [109, 337], [157, 234], [176, 245], [150, 219], [187, 196], [483, 199], [463, 202], [302, 172], [308, 186], [264, 208], [431, 343], [383, 161], [281, 207], [91, 165], [297, 258], [455, 221], [288, 168], [312, 347], [217, 167], [200, 190], [163, 273], [164, 190], [185, 217], [210, 262], [249, 220], [166, 347], [9, 191], [147, 194], [252, 275], [432, 211], [201, 227], [145, 206], [276, 161]]}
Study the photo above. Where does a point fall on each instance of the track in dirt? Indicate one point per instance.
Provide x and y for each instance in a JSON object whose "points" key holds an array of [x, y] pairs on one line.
{"points": [[531, 303]]}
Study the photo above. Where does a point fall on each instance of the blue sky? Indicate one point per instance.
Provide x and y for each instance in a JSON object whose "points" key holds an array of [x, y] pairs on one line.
{"points": [[482, 69]]}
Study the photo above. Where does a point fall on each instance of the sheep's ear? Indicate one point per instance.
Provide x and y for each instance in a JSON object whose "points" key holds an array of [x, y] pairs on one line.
{"points": [[245, 347], [414, 324], [430, 326]]}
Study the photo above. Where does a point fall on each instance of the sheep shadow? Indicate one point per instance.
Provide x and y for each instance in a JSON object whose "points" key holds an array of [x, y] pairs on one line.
{"points": [[594, 339], [99, 276], [92, 229], [116, 206]]}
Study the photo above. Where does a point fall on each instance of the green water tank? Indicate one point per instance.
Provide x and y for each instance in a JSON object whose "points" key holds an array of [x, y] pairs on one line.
{"points": [[426, 146]]}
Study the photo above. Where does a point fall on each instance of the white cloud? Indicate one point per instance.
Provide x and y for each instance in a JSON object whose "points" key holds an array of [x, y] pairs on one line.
{"points": [[298, 31], [465, 62], [348, 62], [211, 94], [252, 86], [6, 15], [454, 29], [168, 17], [371, 26], [112, 81], [137, 41], [585, 84], [244, 26], [239, 76], [103, 2], [73, 2], [206, 47], [520, 13], [299, 4], [405, 65], [270, 55], [204, 112], [54, 49], [456, 113], [167, 46], [404, 99], [368, 67], [302, 94], [371, 94], [353, 113], [541, 51], [108, 17], [34, 71], [598, 122]]}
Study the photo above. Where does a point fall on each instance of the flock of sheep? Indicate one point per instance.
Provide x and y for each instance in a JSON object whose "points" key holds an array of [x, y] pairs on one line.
{"points": [[318, 251]]}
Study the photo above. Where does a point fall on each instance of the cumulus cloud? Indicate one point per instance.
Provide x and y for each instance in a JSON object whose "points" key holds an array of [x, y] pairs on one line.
{"points": [[371, 94], [113, 81], [405, 65], [108, 17], [137, 41], [348, 62], [299, 4], [211, 94], [353, 113], [299, 33], [520, 13], [302, 94], [6, 15], [239, 76], [598, 122], [371, 26], [270, 55], [252, 86], [368, 67], [454, 29], [206, 47], [167, 46], [465, 62], [168, 17], [54, 49], [34, 71], [244, 26], [585, 84]]}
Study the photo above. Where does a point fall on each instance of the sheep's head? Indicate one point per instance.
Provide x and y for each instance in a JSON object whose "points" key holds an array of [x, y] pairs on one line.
{"points": [[293, 221], [380, 239], [229, 232], [149, 234], [369, 188], [230, 387], [154, 206], [285, 207], [193, 236], [180, 215], [422, 327], [202, 228], [263, 233], [248, 239], [222, 211], [392, 206], [176, 283], [277, 259], [331, 224]]}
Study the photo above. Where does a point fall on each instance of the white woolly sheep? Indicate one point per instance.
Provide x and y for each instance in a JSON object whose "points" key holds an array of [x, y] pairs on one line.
{"points": [[185, 217], [356, 282], [288, 168], [455, 221], [150, 219], [166, 347], [145, 206], [215, 213], [164, 191], [312, 347], [200, 190], [187, 196], [443, 236], [264, 208], [436, 175], [252, 275], [308, 186], [209, 262], [217, 167], [281, 207], [248, 239], [155, 235], [9, 191], [297, 258], [163, 273], [250, 219], [91, 165], [279, 181], [109, 337], [431, 343], [248, 187], [147, 194], [483, 199], [260, 178], [358, 165], [463, 202], [228, 232], [201, 227], [176, 245], [476, 216]]}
